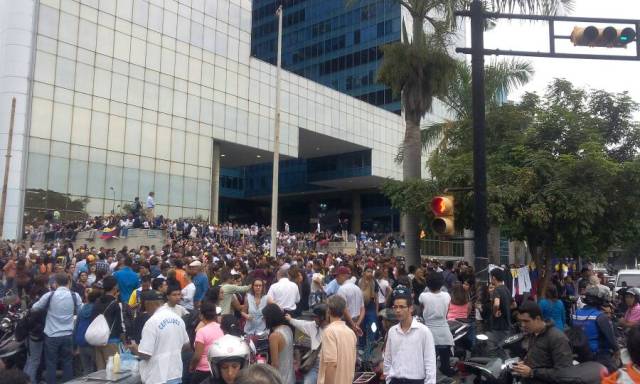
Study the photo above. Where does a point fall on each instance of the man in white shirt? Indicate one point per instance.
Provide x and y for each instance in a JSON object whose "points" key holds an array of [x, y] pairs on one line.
{"points": [[410, 353], [150, 206], [285, 292], [352, 294], [164, 336]]}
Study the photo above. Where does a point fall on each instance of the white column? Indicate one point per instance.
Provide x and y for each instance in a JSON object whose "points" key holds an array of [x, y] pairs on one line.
{"points": [[215, 183]]}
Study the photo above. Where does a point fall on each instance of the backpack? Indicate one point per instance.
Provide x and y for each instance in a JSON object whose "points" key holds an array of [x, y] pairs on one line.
{"points": [[98, 331]]}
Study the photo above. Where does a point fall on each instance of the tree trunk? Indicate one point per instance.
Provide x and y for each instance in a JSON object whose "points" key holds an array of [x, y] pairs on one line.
{"points": [[411, 169], [548, 271], [494, 244]]}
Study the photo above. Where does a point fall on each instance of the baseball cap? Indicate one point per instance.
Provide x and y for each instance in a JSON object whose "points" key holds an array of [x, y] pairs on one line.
{"points": [[342, 271], [151, 295], [196, 263]]}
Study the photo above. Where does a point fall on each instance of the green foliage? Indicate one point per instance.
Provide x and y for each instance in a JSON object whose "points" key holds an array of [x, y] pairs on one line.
{"points": [[563, 169]]}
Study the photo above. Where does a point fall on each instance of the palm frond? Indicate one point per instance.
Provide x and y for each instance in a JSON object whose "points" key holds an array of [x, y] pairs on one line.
{"points": [[432, 135], [504, 76], [544, 7]]}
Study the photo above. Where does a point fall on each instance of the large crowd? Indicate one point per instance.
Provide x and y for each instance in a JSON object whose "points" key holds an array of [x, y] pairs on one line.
{"points": [[186, 311]]}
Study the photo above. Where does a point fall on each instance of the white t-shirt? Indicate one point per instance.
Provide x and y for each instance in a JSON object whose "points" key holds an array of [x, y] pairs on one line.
{"points": [[352, 294], [384, 288], [163, 336], [187, 296]]}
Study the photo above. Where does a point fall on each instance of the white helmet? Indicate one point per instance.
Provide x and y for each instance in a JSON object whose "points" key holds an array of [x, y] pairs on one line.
{"points": [[227, 348]]}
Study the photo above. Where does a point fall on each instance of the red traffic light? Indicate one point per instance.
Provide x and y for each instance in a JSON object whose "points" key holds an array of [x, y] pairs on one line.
{"points": [[442, 205]]}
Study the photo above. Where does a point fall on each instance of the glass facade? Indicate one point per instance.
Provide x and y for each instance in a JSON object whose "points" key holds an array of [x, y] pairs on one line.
{"points": [[116, 110], [331, 43]]}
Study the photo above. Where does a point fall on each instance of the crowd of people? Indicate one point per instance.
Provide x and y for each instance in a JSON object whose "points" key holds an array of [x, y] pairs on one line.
{"points": [[186, 310]]}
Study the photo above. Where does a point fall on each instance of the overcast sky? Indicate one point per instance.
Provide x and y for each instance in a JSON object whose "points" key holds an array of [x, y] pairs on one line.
{"points": [[614, 76]]}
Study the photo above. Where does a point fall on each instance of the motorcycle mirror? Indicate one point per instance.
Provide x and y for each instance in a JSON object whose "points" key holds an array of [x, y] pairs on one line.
{"points": [[482, 337], [374, 327]]}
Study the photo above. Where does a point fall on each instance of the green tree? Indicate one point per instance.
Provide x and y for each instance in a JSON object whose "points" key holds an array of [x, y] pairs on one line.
{"points": [[420, 69], [561, 171]]}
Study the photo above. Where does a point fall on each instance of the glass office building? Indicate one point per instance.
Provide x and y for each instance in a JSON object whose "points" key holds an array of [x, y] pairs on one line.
{"points": [[330, 42], [116, 99]]}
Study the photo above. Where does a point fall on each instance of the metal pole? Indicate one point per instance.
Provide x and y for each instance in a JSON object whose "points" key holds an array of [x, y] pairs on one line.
{"points": [[7, 164], [479, 156], [276, 145]]}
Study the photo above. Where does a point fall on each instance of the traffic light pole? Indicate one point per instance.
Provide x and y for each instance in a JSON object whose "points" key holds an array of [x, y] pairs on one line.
{"points": [[480, 220], [477, 52]]}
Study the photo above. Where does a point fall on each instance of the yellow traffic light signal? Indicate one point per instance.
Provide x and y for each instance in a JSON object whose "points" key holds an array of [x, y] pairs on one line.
{"points": [[610, 37], [443, 210]]}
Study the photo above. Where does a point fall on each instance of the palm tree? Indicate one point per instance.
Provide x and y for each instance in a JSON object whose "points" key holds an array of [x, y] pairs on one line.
{"points": [[501, 78], [421, 69]]}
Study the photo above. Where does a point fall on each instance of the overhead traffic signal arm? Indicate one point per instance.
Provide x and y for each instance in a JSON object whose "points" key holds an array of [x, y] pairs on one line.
{"points": [[610, 37]]}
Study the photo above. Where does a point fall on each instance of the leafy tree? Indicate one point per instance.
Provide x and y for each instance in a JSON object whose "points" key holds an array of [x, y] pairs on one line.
{"points": [[562, 171], [420, 68]]}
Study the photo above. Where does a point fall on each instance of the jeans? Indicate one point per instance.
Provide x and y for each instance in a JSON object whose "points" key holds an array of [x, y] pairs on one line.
{"points": [[312, 376], [33, 359], [88, 359], [58, 349], [175, 381], [444, 353]]}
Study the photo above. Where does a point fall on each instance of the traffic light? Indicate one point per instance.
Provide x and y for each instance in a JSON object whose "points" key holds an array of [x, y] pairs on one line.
{"points": [[610, 37], [442, 208]]}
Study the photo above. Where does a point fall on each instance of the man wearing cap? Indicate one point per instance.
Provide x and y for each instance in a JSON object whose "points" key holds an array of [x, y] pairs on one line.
{"points": [[352, 294], [200, 280], [163, 338], [285, 292]]}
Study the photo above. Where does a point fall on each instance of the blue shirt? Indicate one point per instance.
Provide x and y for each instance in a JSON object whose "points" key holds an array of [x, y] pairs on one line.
{"points": [[553, 310], [60, 313], [128, 281], [332, 287], [201, 281]]}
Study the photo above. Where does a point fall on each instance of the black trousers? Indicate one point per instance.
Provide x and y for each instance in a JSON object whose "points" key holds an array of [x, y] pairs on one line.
{"points": [[406, 381]]}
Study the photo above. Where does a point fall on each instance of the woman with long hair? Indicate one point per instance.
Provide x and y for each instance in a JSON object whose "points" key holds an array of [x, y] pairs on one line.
{"points": [[254, 303], [205, 337], [369, 287], [459, 306], [418, 284], [280, 342], [552, 308]]}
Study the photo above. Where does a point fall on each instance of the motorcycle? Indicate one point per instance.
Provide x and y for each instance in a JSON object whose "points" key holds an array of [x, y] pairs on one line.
{"points": [[497, 369], [13, 352], [259, 346]]}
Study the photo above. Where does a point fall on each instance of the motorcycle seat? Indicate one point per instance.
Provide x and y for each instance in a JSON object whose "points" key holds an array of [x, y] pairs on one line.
{"points": [[480, 360]]}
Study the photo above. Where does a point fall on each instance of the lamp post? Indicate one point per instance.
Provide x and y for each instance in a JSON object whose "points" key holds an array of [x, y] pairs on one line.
{"points": [[276, 145], [113, 207]]}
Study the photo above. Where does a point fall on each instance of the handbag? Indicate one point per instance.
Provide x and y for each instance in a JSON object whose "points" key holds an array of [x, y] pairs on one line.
{"points": [[99, 331], [309, 360]]}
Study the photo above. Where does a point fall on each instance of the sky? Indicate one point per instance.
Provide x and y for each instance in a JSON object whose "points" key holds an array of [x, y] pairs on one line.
{"points": [[613, 76]]}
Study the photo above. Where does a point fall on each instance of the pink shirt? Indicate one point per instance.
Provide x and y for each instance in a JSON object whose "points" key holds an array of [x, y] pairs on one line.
{"points": [[207, 335], [633, 314], [458, 311]]}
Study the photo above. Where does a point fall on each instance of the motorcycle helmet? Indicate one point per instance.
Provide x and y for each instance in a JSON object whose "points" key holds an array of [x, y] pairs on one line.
{"points": [[635, 292], [594, 296], [225, 349]]}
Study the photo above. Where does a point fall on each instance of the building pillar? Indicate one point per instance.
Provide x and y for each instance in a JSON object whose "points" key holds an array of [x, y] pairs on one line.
{"points": [[356, 217], [215, 183]]}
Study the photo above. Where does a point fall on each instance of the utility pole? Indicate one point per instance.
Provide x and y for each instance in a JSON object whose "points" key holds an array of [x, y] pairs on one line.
{"points": [[276, 145], [480, 221], [7, 164]]}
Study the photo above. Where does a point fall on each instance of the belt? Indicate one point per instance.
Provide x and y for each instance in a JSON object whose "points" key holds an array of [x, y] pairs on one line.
{"points": [[395, 380]]}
